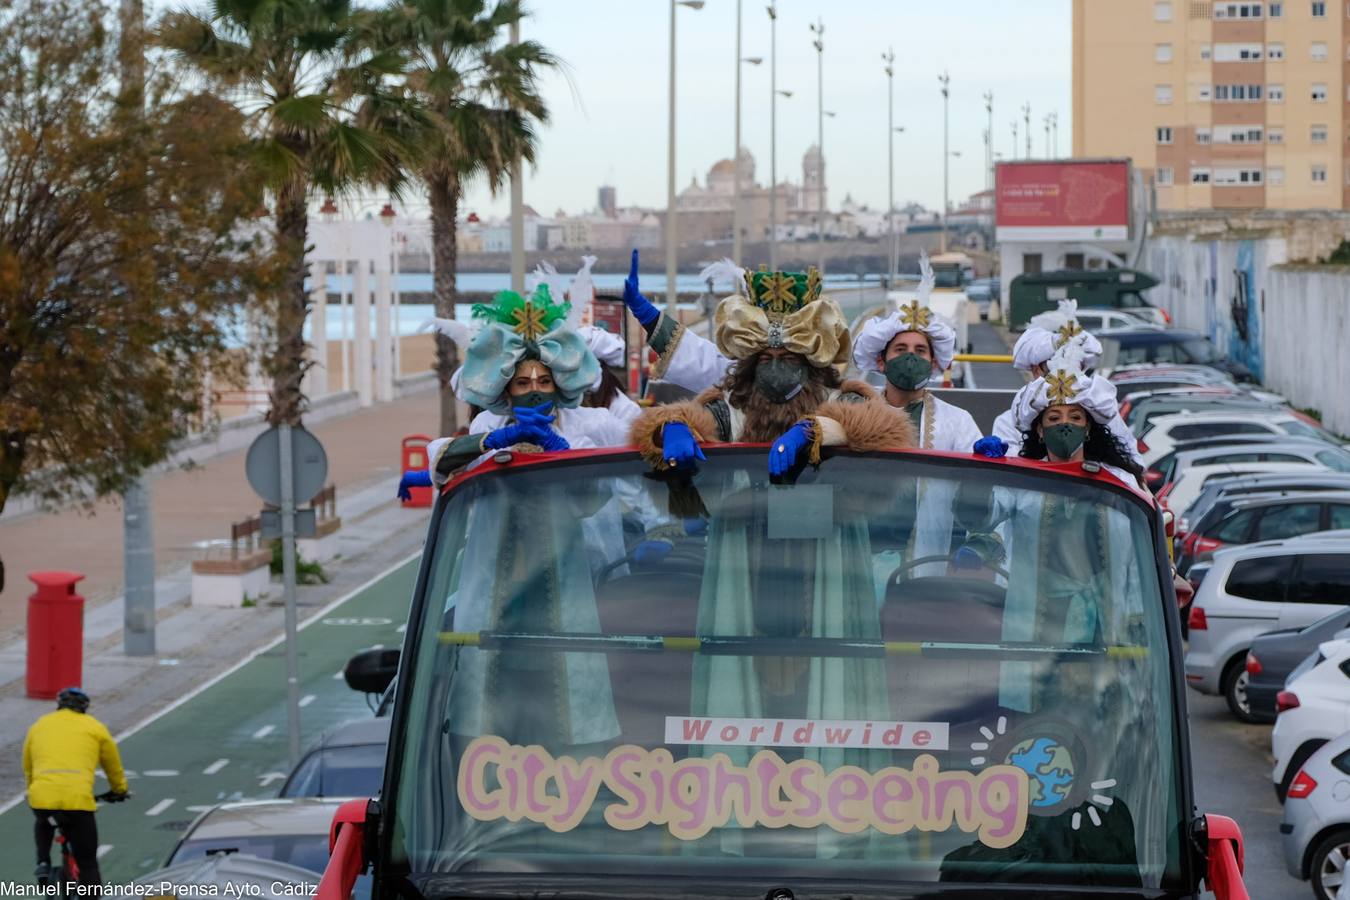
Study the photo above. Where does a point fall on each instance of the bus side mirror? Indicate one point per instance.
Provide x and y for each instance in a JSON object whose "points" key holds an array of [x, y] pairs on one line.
{"points": [[1224, 852], [370, 671]]}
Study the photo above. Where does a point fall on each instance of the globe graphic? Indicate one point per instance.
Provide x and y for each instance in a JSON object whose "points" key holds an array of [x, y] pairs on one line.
{"points": [[1049, 765]]}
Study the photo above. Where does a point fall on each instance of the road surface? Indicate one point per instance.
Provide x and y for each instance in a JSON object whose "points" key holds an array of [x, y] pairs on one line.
{"points": [[228, 741]]}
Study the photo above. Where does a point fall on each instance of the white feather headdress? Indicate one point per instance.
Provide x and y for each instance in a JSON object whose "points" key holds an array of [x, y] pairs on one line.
{"points": [[459, 332], [927, 281], [581, 294], [724, 271]]}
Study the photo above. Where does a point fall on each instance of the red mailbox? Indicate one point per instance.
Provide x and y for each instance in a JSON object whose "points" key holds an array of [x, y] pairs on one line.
{"points": [[415, 460], [55, 634]]}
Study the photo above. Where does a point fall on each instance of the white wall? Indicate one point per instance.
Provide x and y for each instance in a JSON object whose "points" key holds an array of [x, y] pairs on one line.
{"points": [[1298, 319]]}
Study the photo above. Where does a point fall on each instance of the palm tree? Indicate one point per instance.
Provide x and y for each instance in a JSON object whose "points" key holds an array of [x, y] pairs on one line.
{"points": [[300, 71], [482, 94]]}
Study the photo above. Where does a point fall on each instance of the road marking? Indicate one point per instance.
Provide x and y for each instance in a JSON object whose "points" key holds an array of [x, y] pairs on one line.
{"points": [[215, 767], [307, 700], [159, 807], [338, 676], [160, 773], [250, 657], [263, 732], [265, 780], [402, 628], [198, 809], [102, 850]]}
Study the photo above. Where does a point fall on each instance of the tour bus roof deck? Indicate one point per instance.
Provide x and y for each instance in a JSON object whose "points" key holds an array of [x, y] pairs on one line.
{"points": [[1075, 470]]}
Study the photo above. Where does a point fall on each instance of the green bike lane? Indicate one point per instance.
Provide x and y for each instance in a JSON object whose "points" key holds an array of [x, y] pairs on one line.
{"points": [[228, 741]]}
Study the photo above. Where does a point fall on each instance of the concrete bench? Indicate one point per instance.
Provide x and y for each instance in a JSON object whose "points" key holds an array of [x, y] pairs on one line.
{"points": [[230, 572], [324, 545]]}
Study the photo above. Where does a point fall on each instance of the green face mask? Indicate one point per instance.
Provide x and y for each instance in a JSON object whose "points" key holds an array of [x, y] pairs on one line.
{"points": [[535, 398], [908, 371], [1064, 440], [780, 379]]}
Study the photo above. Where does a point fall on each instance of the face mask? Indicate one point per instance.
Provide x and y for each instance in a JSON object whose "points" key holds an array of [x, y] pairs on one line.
{"points": [[908, 371], [535, 398], [779, 379], [1064, 440]]}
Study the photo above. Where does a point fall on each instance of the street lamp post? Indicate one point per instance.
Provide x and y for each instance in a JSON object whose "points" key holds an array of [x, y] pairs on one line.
{"points": [[672, 236], [989, 141], [1015, 144], [736, 212], [945, 80], [1048, 154], [818, 30], [889, 58], [1026, 117], [773, 134], [1054, 130]]}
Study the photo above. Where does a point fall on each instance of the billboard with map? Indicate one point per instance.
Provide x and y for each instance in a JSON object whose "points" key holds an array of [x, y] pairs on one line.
{"points": [[1069, 200]]}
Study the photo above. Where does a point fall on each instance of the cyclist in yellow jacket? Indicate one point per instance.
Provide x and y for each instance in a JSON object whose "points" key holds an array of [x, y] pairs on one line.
{"points": [[60, 754]]}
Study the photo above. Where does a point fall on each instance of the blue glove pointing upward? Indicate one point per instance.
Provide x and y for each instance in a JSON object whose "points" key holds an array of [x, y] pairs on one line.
{"points": [[638, 305]]}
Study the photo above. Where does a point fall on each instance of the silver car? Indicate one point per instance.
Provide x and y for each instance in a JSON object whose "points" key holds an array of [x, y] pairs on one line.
{"points": [[1316, 827]]}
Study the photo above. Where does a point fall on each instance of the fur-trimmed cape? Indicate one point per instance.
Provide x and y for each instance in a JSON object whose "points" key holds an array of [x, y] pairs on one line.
{"points": [[868, 422]]}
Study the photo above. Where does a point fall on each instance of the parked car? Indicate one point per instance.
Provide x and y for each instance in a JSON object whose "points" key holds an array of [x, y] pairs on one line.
{"points": [[1288, 450], [1165, 432], [1181, 375], [1266, 517], [233, 874], [1316, 827], [1097, 319], [346, 761], [1251, 591], [1180, 494], [1216, 500], [1124, 347], [1312, 709], [288, 831], [1140, 415], [984, 293], [1244, 448], [1274, 657]]}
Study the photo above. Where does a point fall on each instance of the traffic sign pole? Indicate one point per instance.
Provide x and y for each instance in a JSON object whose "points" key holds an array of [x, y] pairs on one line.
{"points": [[288, 589]]}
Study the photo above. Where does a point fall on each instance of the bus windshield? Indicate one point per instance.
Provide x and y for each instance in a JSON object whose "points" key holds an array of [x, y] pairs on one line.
{"points": [[901, 669]]}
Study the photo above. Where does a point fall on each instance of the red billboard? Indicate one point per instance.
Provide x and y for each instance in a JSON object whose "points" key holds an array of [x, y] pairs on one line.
{"points": [[1062, 201]]}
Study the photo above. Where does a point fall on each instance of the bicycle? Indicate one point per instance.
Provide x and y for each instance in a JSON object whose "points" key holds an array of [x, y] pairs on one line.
{"points": [[59, 880]]}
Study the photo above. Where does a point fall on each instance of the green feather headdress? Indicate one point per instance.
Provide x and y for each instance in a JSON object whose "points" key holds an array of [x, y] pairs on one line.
{"points": [[528, 317]]}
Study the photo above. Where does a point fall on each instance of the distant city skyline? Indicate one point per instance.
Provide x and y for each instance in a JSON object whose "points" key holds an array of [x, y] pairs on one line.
{"points": [[608, 124]]}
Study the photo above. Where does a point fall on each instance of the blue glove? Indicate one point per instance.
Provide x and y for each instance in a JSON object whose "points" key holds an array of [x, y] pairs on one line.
{"points": [[534, 416], [638, 305], [694, 527], [652, 551], [784, 451], [967, 557], [991, 447], [551, 441], [415, 478], [509, 435], [678, 445]]}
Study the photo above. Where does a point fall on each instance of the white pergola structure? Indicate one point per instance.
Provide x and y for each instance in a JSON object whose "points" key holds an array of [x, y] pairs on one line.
{"points": [[363, 252]]}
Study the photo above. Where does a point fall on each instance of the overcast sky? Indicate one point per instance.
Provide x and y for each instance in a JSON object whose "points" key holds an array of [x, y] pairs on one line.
{"points": [[609, 124], [609, 112]]}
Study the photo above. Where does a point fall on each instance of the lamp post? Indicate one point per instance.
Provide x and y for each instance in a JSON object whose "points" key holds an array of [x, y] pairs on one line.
{"points": [[517, 205], [672, 234], [1015, 144], [1054, 130], [945, 80], [889, 59], [736, 226], [989, 141], [1026, 117], [772, 9], [818, 30]]}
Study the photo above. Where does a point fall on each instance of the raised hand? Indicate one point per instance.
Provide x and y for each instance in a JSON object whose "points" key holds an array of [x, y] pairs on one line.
{"points": [[641, 308], [510, 435], [679, 446], [415, 478], [783, 452], [534, 416]]}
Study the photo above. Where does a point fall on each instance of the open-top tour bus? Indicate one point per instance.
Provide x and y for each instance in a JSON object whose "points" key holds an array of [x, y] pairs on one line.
{"points": [[906, 674]]}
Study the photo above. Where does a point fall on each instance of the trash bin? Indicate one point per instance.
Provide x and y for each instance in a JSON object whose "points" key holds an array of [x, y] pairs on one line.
{"points": [[55, 634], [414, 458]]}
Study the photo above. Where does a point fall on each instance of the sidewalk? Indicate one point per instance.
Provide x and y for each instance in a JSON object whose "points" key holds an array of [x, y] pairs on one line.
{"points": [[195, 505]]}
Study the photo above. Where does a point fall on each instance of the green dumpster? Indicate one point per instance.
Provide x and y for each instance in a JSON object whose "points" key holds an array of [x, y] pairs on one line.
{"points": [[1031, 294]]}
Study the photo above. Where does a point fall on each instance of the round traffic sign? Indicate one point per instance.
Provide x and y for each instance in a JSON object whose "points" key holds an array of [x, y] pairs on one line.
{"points": [[309, 465]]}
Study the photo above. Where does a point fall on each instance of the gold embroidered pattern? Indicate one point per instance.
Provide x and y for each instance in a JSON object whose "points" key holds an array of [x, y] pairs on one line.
{"points": [[915, 316], [529, 321], [1061, 387], [1067, 332]]}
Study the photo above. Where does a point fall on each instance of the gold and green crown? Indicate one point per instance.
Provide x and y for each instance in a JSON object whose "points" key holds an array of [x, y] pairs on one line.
{"points": [[783, 293], [528, 317]]}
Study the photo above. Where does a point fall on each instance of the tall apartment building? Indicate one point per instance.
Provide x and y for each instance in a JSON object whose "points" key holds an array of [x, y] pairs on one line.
{"points": [[1229, 105]]}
